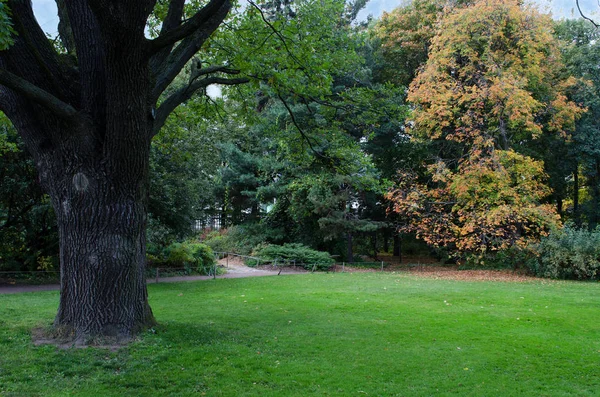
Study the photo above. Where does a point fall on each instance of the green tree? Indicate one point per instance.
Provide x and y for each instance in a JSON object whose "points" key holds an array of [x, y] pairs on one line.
{"points": [[582, 54], [6, 26]]}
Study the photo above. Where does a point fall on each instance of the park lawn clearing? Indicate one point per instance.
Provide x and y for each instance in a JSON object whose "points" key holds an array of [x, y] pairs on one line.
{"points": [[376, 334]]}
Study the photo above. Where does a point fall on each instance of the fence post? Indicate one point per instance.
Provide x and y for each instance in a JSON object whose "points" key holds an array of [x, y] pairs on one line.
{"points": [[214, 270], [381, 265], [157, 275], [343, 266], [227, 260]]}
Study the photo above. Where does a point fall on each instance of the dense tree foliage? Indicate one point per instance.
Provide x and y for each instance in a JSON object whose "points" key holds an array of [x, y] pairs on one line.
{"points": [[581, 159], [492, 83], [28, 236]]}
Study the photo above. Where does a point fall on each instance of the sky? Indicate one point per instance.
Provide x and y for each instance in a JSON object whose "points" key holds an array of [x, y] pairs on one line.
{"points": [[45, 10]]}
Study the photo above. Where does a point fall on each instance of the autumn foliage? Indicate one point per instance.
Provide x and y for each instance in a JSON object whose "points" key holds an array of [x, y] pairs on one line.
{"points": [[492, 84], [485, 205], [494, 72]]}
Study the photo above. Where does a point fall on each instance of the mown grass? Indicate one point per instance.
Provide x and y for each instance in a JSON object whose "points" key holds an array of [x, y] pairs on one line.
{"points": [[325, 334]]}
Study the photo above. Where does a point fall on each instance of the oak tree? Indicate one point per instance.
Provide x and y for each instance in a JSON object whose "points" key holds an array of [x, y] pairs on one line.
{"points": [[88, 112]]}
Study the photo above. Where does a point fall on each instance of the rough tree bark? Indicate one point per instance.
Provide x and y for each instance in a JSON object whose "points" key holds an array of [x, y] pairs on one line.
{"points": [[349, 254], [397, 245], [88, 119]]}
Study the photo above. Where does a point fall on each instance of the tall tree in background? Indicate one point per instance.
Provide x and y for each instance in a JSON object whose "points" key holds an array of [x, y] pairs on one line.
{"points": [[492, 82], [581, 53], [88, 115], [406, 34]]}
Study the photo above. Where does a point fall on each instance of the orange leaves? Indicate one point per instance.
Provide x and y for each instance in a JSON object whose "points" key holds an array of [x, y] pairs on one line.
{"points": [[494, 70], [488, 204], [493, 79]]}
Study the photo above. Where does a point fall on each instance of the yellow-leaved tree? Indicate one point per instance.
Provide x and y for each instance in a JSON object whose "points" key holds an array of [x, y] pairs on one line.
{"points": [[493, 83]]}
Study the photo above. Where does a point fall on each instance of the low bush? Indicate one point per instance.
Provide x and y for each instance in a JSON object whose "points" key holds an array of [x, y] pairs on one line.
{"points": [[236, 239], [190, 256], [298, 253], [511, 258], [569, 253]]}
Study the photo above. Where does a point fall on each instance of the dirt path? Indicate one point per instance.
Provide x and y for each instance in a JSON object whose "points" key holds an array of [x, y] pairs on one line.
{"points": [[237, 269]]}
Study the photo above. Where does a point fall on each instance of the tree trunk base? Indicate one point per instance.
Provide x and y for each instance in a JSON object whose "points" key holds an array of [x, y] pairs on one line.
{"points": [[65, 336]]}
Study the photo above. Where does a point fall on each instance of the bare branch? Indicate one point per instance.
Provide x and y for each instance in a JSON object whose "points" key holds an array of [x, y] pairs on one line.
{"points": [[36, 94], [300, 130], [178, 58], [214, 69], [585, 17]]}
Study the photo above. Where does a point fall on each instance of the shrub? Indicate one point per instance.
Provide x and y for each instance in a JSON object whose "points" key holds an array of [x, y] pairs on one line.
{"points": [[158, 236], [569, 253], [235, 239], [187, 255], [301, 254], [514, 257]]}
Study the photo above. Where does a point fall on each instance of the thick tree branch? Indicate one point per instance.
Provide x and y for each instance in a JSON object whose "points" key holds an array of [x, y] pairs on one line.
{"points": [[174, 16], [185, 93], [214, 69], [180, 56], [90, 57], [171, 21], [203, 16], [36, 94], [64, 27], [122, 18], [32, 54]]}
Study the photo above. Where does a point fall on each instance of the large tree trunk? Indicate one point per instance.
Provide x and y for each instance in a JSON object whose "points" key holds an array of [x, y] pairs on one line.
{"points": [[349, 254], [102, 255], [99, 191], [374, 244], [397, 245], [593, 219], [386, 236], [576, 209], [95, 170]]}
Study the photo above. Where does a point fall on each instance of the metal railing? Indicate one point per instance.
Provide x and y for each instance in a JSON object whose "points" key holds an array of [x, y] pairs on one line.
{"points": [[41, 276], [279, 263]]}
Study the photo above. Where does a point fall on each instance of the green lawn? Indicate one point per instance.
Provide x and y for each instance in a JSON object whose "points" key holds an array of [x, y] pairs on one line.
{"points": [[368, 334]]}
